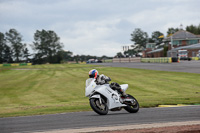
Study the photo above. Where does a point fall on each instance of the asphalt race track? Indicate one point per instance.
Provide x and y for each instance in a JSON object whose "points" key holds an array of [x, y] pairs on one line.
{"points": [[183, 66], [91, 119]]}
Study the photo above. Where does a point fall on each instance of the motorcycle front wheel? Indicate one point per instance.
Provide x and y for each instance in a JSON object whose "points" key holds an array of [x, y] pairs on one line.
{"points": [[132, 108], [99, 108]]}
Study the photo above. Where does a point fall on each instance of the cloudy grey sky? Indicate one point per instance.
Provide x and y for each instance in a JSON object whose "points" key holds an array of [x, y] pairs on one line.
{"points": [[96, 27]]}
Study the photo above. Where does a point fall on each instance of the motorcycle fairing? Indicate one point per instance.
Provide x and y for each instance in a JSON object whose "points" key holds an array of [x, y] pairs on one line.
{"points": [[111, 95]]}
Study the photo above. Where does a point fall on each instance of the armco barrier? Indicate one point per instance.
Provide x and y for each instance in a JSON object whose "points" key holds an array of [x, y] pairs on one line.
{"points": [[157, 60], [6, 64], [23, 64], [195, 58], [17, 64], [14, 64]]}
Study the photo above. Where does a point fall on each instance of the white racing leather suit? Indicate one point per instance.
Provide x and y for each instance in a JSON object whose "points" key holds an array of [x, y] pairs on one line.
{"points": [[102, 79]]}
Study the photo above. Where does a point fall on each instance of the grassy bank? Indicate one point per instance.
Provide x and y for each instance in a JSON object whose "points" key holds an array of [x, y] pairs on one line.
{"points": [[44, 89]]}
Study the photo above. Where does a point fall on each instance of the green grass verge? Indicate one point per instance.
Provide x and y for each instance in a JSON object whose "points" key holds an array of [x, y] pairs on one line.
{"points": [[46, 89]]}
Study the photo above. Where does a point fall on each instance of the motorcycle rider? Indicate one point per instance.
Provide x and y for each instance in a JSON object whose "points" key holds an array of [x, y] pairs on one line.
{"points": [[102, 79]]}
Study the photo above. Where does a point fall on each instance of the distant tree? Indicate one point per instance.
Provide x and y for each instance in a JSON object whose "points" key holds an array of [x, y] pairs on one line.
{"points": [[14, 38], [47, 45], [155, 37], [26, 54], [198, 29], [105, 57], [139, 37], [130, 52], [8, 54], [119, 55], [83, 58], [150, 40], [2, 46], [77, 58], [193, 29], [58, 58], [67, 55], [5, 50], [172, 30]]}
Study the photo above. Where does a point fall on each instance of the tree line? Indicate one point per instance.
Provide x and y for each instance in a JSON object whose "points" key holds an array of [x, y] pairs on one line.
{"points": [[46, 46], [140, 38]]}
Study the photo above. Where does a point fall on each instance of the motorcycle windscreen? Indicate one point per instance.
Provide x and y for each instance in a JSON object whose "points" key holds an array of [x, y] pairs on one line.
{"points": [[88, 81], [124, 87], [90, 85]]}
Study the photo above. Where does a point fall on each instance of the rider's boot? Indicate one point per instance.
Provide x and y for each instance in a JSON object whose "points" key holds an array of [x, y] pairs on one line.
{"points": [[123, 94]]}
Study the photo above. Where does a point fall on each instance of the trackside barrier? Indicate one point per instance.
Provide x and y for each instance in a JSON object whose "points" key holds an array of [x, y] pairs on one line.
{"points": [[14, 64], [17, 64], [195, 58], [123, 60], [107, 60], [157, 60]]}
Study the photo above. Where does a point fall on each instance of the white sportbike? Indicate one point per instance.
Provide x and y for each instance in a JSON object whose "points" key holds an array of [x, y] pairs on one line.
{"points": [[103, 98]]}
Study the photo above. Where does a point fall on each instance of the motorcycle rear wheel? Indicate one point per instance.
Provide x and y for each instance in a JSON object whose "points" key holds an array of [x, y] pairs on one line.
{"points": [[132, 108], [101, 109]]}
